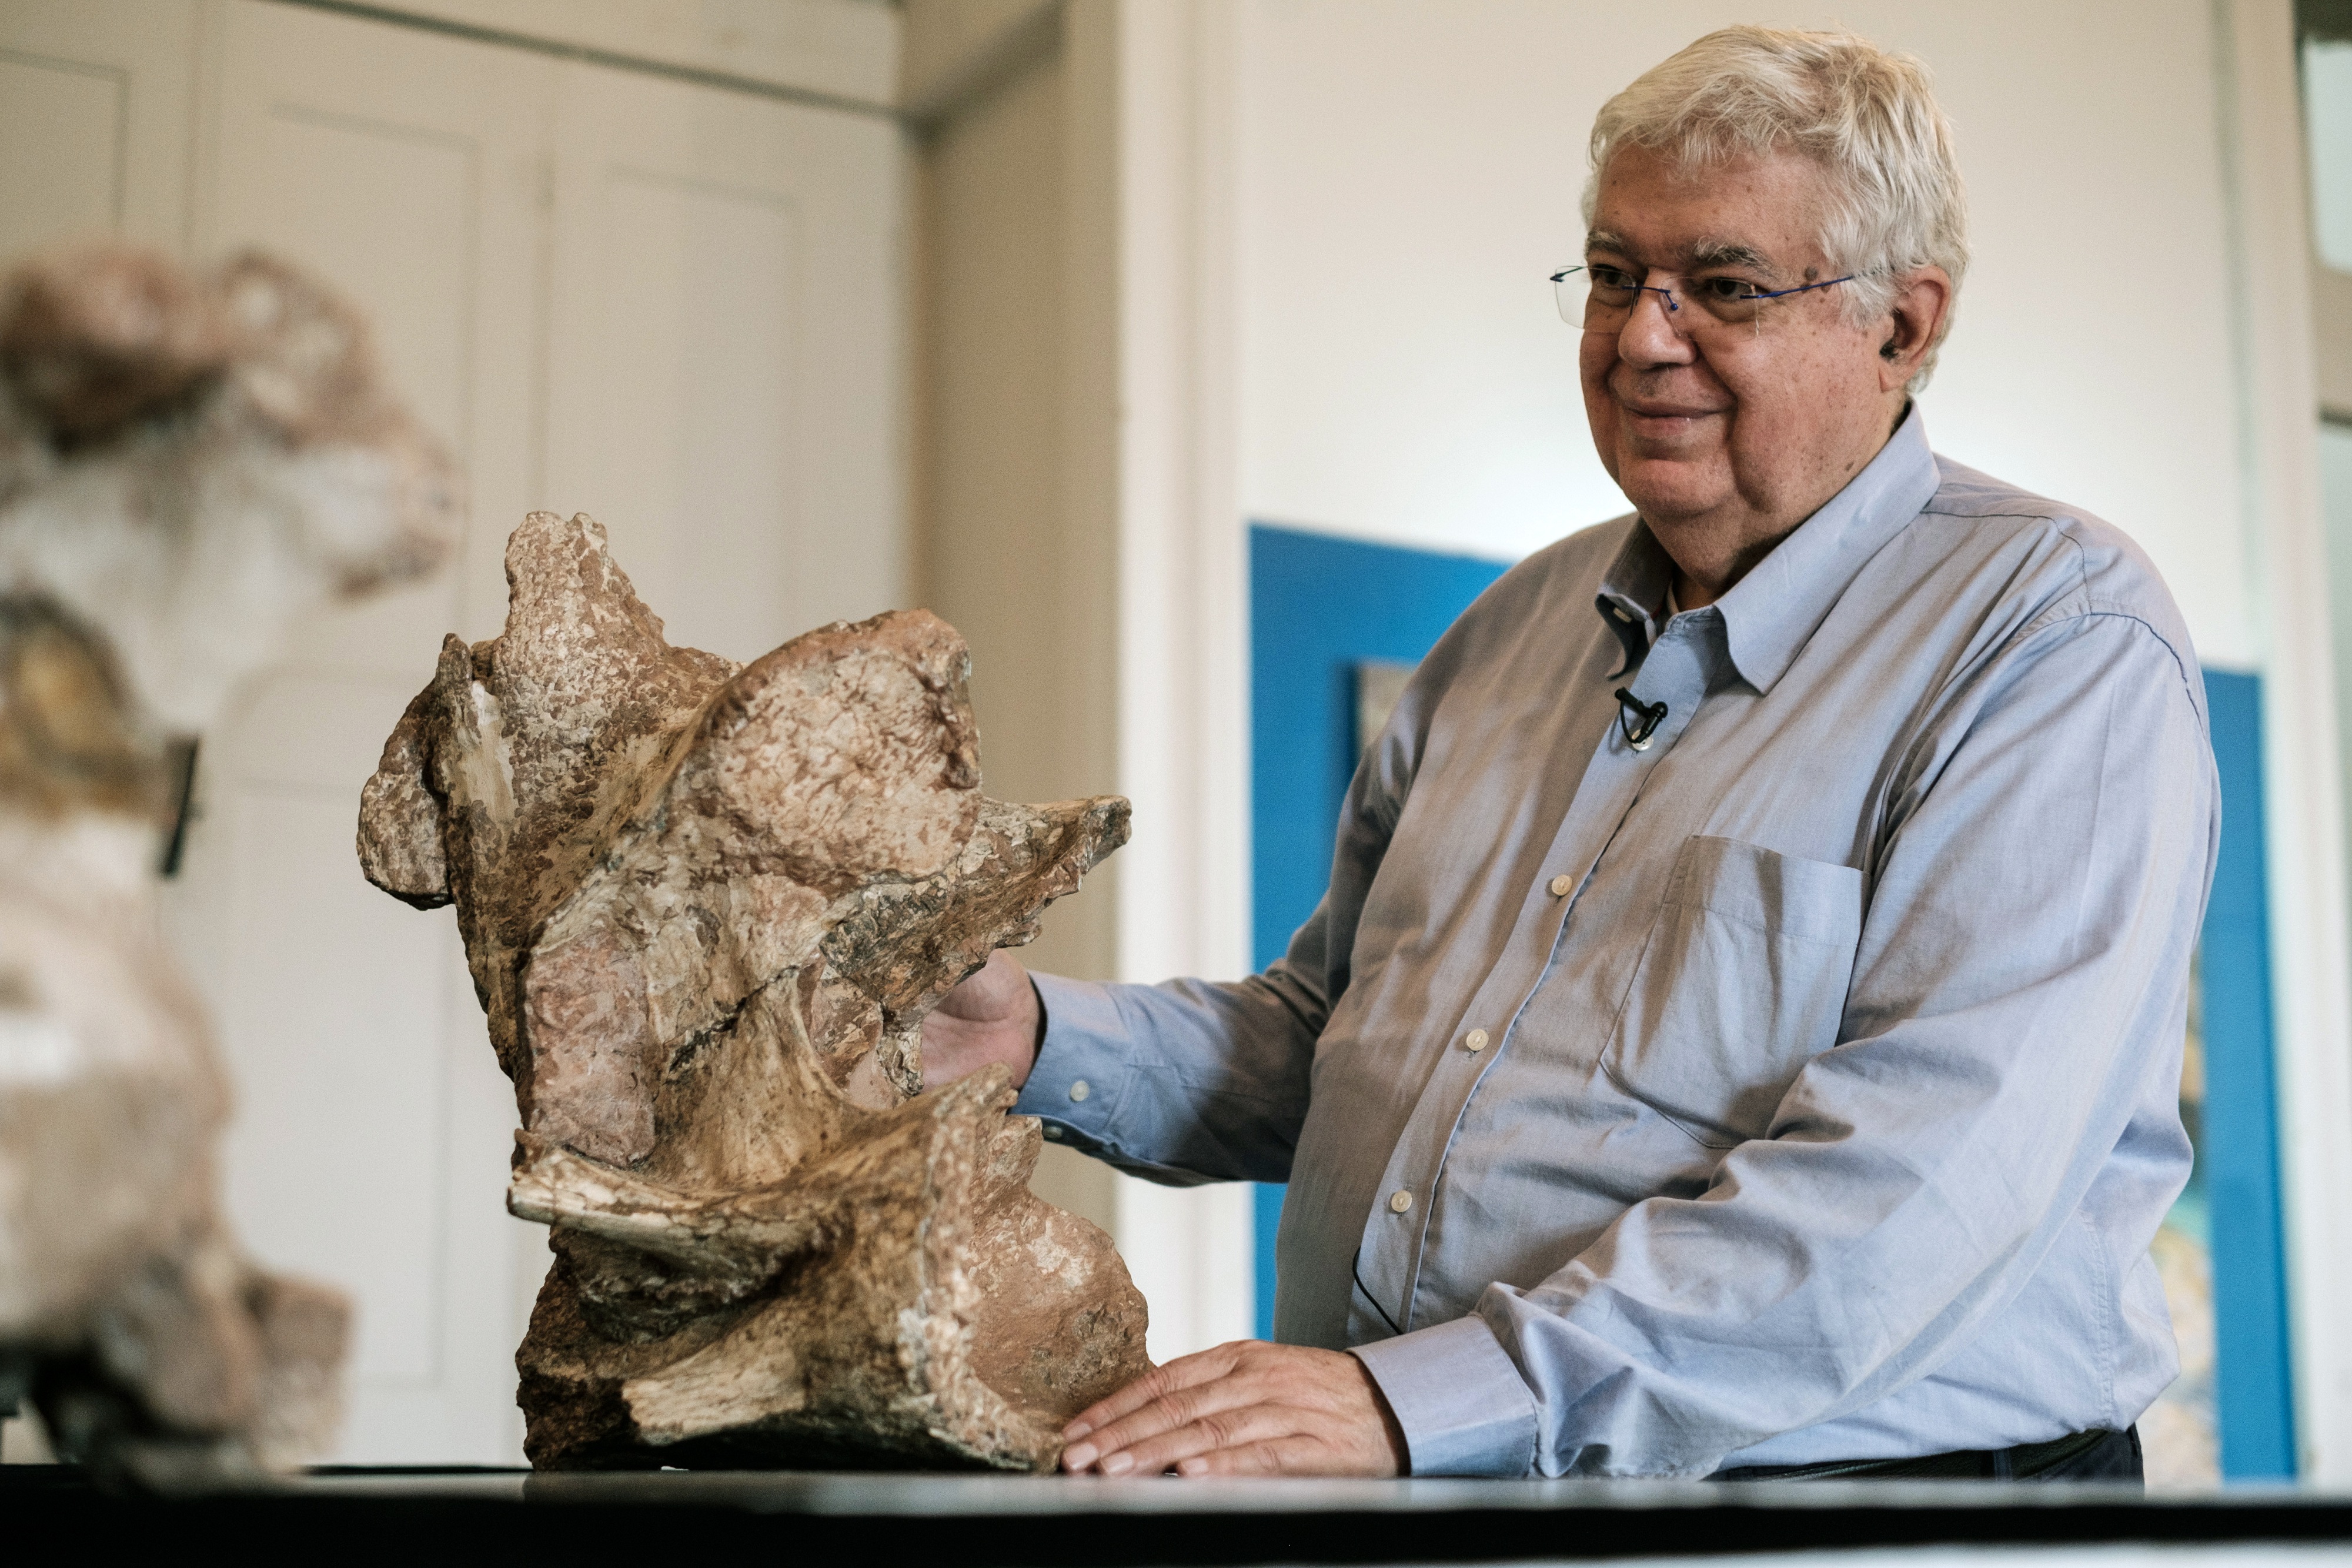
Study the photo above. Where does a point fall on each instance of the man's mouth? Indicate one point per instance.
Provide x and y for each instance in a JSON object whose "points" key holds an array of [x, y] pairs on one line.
{"points": [[1652, 409]]}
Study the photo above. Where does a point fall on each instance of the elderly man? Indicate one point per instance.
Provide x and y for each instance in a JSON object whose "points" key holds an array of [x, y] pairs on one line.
{"points": [[1742, 1033]]}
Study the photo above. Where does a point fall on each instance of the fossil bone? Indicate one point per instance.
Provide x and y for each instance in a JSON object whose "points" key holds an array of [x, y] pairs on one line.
{"points": [[706, 909], [187, 463]]}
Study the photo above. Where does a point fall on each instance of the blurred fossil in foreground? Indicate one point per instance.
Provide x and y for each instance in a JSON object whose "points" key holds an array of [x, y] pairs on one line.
{"points": [[707, 908], [187, 463]]}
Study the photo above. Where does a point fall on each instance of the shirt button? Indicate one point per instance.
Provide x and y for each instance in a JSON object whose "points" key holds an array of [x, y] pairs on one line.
{"points": [[1474, 1041], [1079, 1090], [1399, 1200], [1560, 884]]}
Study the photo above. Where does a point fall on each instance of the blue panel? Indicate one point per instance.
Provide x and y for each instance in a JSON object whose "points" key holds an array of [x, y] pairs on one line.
{"points": [[1266, 1210], [2239, 1152], [1318, 606]]}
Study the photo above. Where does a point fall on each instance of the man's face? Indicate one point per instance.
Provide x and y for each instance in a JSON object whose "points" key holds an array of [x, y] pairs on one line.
{"points": [[1728, 437]]}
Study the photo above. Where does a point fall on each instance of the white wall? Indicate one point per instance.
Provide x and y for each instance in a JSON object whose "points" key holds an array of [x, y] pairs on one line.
{"points": [[1408, 173], [2327, 147], [2327, 92], [2336, 494]]}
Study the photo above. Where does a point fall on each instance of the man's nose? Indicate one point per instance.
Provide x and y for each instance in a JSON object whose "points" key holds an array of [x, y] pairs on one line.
{"points": [[1648, 337]]}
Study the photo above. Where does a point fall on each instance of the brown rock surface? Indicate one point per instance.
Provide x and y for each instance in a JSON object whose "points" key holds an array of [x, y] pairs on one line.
{"points": [[707, 908]]}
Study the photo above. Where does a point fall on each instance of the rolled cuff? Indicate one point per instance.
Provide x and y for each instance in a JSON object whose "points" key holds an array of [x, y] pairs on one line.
{"points": [[1463, 1406]]}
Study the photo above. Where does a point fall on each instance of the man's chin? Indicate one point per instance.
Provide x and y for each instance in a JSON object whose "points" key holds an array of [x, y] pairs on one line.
{"points": [[1665, 489]]}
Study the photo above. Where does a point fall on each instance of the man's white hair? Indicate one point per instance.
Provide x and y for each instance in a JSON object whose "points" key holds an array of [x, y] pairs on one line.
{"points": [[1865, 115]]}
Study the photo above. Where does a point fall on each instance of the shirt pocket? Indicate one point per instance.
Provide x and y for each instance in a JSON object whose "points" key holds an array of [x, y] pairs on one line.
{"points": [[1743, 980]]}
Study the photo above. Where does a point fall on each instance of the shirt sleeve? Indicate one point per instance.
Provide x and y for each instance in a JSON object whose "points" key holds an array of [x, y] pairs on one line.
{"points": [[1193, 1082], [1183, 1083], [2036, 888]]}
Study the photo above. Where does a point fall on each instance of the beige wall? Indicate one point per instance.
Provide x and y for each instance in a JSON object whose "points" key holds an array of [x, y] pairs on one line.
{"points": [[1013, 303], [2332, 309], [1014, 527]]}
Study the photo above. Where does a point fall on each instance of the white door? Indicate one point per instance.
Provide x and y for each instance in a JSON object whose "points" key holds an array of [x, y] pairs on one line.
{"points": [[724, 354], [668, 306], [96, 115]]}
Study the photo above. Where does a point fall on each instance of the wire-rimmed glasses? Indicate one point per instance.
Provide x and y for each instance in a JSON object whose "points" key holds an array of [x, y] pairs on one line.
{"points": [[1600, 297]]}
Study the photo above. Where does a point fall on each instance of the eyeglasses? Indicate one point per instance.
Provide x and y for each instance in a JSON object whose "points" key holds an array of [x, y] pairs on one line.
{"points": [[1600, 299]]}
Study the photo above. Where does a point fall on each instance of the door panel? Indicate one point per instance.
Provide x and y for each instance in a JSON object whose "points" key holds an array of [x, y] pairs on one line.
{"points": [[697, 305], [60, 149], [95, 121], [386, 209], [340, 1167], [723, 354]]}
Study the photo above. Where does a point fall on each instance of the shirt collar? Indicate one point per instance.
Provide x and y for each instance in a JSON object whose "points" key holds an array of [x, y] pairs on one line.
{"points": [[1632, 590], [1770, 614]]}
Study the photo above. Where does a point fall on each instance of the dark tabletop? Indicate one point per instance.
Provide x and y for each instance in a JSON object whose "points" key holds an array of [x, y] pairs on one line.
{"points": [[982, 1520]]}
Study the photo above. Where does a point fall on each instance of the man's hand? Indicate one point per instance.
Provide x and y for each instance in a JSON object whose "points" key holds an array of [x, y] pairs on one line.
{"points": [[1248, 1408], [992, 1016]]}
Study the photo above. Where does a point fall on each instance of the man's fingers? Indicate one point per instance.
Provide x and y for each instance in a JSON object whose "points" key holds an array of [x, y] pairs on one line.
{"points": [[1286, 1456], [1241, 1409], [1184, 1371], [1153, 1384], [1233, 1427], [1178, 1408]]}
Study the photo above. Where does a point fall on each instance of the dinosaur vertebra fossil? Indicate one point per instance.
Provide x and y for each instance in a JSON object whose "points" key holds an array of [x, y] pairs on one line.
{"points": [[707, 908]]}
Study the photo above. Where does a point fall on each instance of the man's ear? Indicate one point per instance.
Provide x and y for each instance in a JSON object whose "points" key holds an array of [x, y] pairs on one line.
{"points": [[1913, 326]]}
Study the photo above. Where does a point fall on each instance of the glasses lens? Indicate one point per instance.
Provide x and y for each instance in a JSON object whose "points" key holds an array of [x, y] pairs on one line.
{"points": [[1597, 300], [1604, 298], [1568, 288]]}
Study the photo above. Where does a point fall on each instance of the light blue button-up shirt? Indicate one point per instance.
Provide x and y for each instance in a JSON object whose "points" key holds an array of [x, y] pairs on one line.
{"points": [[1799, 1085]]}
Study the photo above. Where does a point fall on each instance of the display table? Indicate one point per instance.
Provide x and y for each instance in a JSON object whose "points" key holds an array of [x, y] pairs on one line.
{"points": [[958, 1519]]}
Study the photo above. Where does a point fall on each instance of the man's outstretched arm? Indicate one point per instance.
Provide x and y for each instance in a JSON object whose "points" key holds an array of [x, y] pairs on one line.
{"points": [[1182, 1082]]}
